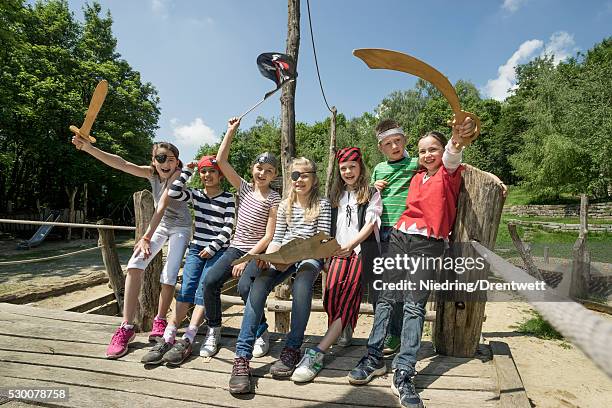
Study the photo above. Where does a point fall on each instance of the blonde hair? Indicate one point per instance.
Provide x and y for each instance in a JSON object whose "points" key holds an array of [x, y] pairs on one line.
{"points": [[361, 187], [311, 212]]}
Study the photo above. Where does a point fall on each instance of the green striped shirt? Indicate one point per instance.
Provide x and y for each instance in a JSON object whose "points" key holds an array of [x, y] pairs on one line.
{"points": [[398, 174]]}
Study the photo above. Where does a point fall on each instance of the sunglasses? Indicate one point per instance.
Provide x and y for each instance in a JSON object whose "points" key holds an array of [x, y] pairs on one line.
{"points": [[295, 175]]}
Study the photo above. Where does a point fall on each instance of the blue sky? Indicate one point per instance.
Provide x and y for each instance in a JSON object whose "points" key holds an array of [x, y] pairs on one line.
{"points": [[200, 54]]}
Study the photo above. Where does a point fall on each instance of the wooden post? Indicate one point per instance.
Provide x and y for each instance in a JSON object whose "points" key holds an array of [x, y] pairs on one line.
{"points": [[71, 197], [579, 282], [111, 261], [282, 291], [331, 160], [84, 234], [288, 96], [144, 207], [525, 252], [459, 324], [546, 254]]}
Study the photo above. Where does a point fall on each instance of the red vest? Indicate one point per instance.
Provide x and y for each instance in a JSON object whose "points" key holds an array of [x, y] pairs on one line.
{"points": [[433, 204]]}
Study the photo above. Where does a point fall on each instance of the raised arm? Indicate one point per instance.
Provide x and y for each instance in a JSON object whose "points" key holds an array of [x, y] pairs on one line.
{"points": [[177, 189], [223, 154], [112, 160]]}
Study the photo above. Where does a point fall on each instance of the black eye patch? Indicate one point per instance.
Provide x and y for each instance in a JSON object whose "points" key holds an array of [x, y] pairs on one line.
{"points": [[161, 158]]}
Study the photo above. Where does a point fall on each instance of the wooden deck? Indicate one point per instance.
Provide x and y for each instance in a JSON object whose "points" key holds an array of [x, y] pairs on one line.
{"points": [[51, 348]]}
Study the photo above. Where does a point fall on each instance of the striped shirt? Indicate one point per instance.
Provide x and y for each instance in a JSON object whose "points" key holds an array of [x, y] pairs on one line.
{"points": [[398, 174], [252, 216], [298, 227], [214, 216]]}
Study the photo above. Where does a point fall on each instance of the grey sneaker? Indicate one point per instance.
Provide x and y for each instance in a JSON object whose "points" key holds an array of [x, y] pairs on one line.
{"points": [[346, 337], [156, 354], [240, 381], [178, 353], [368, 367], [403, 387], [284, 366], [210, 345], [309, 366]]}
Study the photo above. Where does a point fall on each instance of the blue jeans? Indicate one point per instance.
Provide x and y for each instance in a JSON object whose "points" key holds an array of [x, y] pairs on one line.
{"points": [[413, 302], [194, 272], [395, 326], [306, 274], [215, 279]]}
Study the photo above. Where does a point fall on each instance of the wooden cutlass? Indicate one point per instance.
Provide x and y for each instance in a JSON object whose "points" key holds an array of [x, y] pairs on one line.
{"points": [[95, 104], [378, 58]]}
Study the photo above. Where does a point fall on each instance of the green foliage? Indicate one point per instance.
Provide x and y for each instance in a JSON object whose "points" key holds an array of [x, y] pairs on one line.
{"points": [[51, 65], [540, 328]]}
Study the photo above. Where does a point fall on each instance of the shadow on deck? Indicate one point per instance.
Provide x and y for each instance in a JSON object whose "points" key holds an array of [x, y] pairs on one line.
{"points": [[50, 348]]}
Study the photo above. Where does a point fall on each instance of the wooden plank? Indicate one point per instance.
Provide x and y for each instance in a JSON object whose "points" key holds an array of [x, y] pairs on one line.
{"points": [[472, 375], [61, 315], [47, 324], [511, 389], [35, 293], [131, 377]]}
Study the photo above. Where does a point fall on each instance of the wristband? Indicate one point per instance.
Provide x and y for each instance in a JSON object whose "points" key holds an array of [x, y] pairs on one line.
{"points": [[146, 239]]}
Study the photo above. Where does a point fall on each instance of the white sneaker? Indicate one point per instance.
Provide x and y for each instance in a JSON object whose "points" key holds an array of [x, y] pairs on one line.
{"points": [[346, 337], [308, 368], [262, 345], [210, 346]]}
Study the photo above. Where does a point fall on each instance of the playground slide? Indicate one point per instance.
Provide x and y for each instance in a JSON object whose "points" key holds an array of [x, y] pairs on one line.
{"points": [[41, 234]]}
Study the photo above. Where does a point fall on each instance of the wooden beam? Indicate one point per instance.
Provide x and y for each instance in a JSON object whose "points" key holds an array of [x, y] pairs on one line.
{"points": [[512, 392]]}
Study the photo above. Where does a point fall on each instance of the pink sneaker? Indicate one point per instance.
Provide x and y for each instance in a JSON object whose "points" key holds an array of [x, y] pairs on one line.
{"points": [[118, 346], [159, 326]]}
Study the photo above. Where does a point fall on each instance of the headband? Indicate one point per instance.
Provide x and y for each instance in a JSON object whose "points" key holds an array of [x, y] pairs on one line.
{"points": [[209, 161], [390, 132], [267, 158]]}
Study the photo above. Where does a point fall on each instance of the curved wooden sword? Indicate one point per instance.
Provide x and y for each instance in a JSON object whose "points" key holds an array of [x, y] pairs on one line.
{"points": [[378, 58], [95, 104]]}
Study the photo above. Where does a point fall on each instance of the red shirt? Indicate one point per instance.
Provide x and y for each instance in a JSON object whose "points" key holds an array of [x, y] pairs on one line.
{"points": [[433, 205]]}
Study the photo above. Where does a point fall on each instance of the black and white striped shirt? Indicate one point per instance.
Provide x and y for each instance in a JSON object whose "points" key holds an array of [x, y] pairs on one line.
{"points": [[298, 227], [214, 216]]}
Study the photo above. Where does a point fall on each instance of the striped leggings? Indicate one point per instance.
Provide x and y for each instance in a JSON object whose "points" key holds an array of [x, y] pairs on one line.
{"points": [[344, 290]]}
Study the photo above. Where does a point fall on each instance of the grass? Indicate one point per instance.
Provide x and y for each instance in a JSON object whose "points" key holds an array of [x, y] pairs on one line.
{"points": [[538, 327], [560, 220], [559, 243], [518, 195]]}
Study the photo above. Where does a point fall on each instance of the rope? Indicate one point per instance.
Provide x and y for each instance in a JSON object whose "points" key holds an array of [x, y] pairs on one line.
{"points": [[50, 258], [68, 224], [585, 329], [314, 51]]}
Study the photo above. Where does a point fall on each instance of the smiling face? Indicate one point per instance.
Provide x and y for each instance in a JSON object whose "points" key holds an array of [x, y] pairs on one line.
{"points": [[393, 147], [209, 176], [430, 153], [350, 171], [169, 165], [305, 181], [263, 174]]}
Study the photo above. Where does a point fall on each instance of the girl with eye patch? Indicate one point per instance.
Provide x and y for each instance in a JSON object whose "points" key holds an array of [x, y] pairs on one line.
{"points": [[301, 215], [356, 211], [171, 223]]}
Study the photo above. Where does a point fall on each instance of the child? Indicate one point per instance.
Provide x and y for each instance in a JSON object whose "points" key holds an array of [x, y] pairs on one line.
{"points": [[392, 178], [258, 205], [174, 226], [421, 231], [301, 215], [356, 210], [214, 221]]}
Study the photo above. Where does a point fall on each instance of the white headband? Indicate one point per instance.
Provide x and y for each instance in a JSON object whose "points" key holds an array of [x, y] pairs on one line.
{"points": [[394, 131]]}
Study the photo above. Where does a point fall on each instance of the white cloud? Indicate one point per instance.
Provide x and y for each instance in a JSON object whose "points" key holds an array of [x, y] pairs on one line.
{"points": [[193, 135], [498, 88], [160, 7], [561, 44], [512, 5]]}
